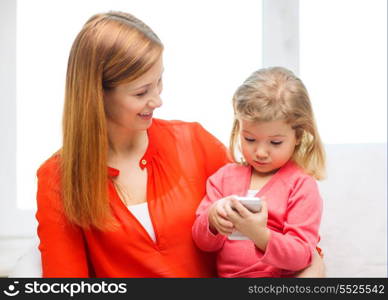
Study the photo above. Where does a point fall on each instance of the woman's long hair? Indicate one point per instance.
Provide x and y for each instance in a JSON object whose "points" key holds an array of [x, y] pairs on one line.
{"points": [[111, 49], [277, 94]]}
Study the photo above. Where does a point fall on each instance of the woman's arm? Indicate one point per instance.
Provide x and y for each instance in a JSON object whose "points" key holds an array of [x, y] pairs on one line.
{"points": [[62, 244]]}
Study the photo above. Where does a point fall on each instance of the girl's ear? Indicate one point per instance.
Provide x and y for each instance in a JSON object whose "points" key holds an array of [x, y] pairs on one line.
{"points": [[298, 136], [298, 140]]}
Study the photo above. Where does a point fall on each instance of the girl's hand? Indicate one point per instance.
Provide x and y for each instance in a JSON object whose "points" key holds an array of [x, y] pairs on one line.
{"points": [[218, 219], [252, 225]]}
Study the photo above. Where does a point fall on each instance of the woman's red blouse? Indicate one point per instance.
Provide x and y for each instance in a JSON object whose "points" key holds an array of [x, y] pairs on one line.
{"points": [[179, 159]]}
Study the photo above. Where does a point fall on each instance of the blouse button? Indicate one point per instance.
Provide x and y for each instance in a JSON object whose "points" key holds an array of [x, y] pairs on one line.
{"points": [[143, 162]]}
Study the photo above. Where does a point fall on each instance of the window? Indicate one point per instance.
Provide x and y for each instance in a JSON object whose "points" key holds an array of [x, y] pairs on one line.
{"points": [[343, 62]]}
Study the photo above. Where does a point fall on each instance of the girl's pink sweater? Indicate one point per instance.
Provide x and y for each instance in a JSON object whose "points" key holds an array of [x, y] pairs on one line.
{"points": [[294, 215]]}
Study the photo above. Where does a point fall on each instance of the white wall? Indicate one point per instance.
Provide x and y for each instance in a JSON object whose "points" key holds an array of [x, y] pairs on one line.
{"points": [[10, 215], [347, 125], [343, 62], [354, 222]]}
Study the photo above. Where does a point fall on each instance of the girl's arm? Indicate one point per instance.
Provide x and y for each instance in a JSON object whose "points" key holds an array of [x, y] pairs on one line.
{"points": [[292, 248], [204, 237], [61, 245]]}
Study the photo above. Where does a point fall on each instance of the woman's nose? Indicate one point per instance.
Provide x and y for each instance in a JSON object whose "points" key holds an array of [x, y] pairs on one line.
{"points": [[155, 101]]}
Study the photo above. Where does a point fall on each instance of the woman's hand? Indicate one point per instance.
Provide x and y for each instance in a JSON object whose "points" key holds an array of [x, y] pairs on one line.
{"points": [[317, 268], [218, 220], [252, 225]]}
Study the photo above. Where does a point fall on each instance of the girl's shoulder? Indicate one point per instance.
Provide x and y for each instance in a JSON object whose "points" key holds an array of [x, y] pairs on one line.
{"points": [[294, 176], [292, 170], [233, 170], [231, 179], [235, 167]]}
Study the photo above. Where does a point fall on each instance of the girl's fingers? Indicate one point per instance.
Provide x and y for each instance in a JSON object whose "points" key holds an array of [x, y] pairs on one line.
{"points": [[223, 229], [221, 207], [226, 230], [221, 211], [241, 209], [225, 223], [232, 214], [222, 204]]}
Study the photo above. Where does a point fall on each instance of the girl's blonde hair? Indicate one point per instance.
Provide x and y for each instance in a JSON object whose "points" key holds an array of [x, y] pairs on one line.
{"points": [[277, 94], [111, 49]]}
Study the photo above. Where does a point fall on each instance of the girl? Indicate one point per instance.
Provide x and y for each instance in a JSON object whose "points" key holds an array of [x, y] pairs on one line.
{"points": [[282, 155]]}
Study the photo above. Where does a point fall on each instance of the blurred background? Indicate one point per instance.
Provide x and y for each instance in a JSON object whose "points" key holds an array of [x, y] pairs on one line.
{"points": [[337, 47]]}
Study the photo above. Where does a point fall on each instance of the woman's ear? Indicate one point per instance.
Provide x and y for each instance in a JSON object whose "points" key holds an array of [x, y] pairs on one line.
{"points": [[106, 100], [105, 94]]}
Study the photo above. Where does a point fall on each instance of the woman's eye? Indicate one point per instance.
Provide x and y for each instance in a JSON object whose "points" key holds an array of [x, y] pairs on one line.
{"points": [[249, 139], [276, 143], [141, 94]]}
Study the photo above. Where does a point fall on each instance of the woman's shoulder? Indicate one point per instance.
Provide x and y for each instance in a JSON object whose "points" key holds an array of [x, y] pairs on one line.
{"points": [[193, 143], [175, 124], [192, 132], [50, 168]]}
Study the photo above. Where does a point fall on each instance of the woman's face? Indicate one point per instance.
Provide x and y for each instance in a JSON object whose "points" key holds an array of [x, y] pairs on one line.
{"points": [[131, 105]]}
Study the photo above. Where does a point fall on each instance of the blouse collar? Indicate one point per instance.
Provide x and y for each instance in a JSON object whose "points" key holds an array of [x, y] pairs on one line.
{"points": [[148, 156]]}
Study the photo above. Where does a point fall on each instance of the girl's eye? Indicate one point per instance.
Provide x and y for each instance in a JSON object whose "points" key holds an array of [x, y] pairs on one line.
{"points": [[249, 139], [276, 143]]}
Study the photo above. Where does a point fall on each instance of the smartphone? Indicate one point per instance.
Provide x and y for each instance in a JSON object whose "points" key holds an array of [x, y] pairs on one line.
{"points": [[252, 203]]}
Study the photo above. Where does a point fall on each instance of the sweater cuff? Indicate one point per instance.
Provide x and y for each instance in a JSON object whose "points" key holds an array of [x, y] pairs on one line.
{"points": [[283, 255], [204, 238]]}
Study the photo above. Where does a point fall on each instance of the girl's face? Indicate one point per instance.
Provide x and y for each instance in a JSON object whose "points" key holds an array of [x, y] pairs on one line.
{"points": [[131, 105], [267, 146]]}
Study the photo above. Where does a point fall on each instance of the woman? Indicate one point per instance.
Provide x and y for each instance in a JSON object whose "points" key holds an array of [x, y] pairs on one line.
{"points": [[119, 198]]}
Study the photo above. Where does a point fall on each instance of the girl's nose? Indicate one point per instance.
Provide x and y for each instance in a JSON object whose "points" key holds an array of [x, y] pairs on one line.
{"points": [[261, 153]]}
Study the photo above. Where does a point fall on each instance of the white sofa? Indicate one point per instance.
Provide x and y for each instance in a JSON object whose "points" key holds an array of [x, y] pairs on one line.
{"points": [[354, 224]]}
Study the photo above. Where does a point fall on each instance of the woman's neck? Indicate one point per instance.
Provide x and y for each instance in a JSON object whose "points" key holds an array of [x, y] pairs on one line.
{"points": [[124, 142]]}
